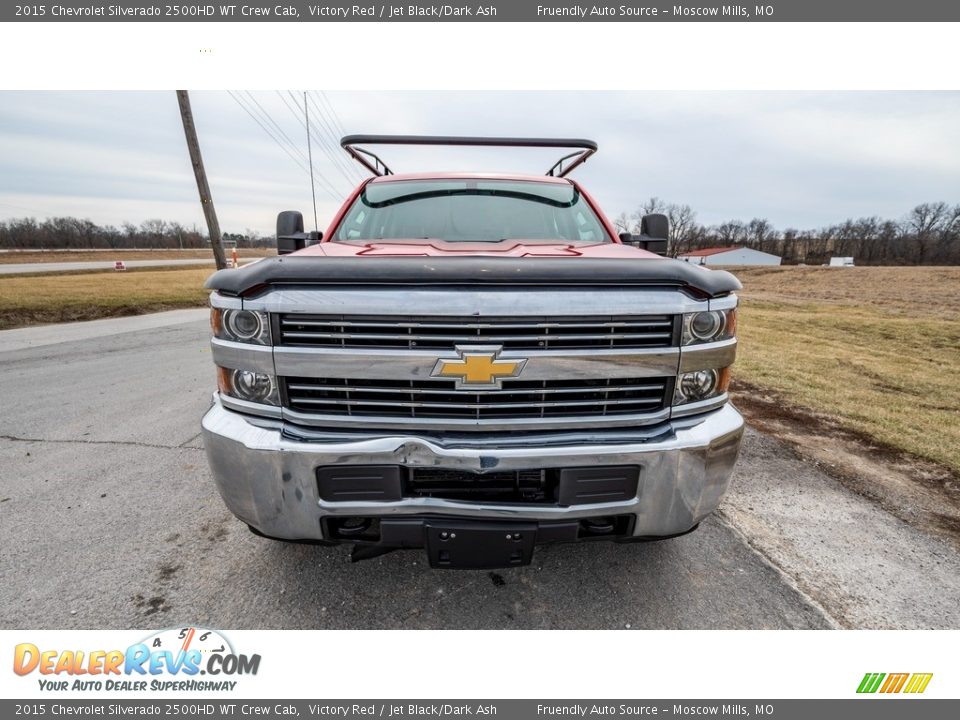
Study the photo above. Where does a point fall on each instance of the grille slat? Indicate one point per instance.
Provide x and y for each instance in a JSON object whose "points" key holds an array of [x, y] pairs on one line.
{"points": [[440, 398], [504, 405], [308, 330], [293, 388], [293, 320], [319, 336]]}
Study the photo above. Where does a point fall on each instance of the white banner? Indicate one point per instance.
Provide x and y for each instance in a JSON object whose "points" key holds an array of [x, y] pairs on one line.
{"points": [[325, 664]]}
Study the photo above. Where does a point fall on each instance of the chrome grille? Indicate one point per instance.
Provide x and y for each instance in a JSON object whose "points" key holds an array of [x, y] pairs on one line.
{"points": [[433, 333], [439, 399]]}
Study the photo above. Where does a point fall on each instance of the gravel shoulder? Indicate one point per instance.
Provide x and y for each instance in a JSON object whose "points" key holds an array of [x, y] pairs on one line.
{"points": [[865, 566]]}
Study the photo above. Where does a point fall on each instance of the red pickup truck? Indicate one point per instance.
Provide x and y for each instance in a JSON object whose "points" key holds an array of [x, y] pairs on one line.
{"points": [[471, 364]]}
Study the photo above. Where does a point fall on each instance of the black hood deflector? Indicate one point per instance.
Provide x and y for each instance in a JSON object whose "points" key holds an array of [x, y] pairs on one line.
{"points": [[472, 271]]}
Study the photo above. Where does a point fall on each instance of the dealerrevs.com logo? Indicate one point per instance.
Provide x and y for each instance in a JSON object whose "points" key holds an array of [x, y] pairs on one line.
{"points": [[885, 683], [167, 660]]}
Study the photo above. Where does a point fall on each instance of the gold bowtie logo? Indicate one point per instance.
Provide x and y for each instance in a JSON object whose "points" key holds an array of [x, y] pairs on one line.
{"points": [[479, 367]]}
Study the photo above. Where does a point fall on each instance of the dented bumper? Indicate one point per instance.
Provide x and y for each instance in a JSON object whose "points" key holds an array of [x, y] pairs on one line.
{"points": [[267, 473]]}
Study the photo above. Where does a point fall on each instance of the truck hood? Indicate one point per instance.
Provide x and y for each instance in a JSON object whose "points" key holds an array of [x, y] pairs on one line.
{"points": [[440, 248]]}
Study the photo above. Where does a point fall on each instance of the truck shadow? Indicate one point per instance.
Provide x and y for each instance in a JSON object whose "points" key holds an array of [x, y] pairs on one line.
{"points": [[707, 579]]}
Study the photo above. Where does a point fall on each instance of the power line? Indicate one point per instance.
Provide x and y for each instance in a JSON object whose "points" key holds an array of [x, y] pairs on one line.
{"points": [[335, 134], [341, 130], [330, 187], [334, 112], [269, 134], [332, 155], [295, 109], [333, 193], [335, 143], [275, 124], [309, 160]]}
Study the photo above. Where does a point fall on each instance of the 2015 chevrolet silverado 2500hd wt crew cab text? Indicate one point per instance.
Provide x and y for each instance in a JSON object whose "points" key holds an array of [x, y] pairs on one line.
{"points": [[471, 364]]}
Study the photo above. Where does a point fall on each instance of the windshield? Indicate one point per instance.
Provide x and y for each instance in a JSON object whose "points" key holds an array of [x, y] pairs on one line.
{"points": [[471, 211]]}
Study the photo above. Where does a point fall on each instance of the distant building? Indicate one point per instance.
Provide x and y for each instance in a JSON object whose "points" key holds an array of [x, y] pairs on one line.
{"points": [[841, 262], [729, 256]]}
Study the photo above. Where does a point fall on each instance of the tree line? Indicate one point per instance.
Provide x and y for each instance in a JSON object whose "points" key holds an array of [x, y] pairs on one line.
{"points": [[68, 233], [927, 235]]}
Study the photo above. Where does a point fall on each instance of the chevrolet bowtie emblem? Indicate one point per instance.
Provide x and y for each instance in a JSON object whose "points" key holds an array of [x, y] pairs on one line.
{"points": [[479, 367]]}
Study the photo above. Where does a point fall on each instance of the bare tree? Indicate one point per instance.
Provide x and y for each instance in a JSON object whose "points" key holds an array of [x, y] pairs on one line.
{"points": [[682, 222], [622, 223], [924, 223], [732, 232], [653, 205], [155, 232], [759, 233]]}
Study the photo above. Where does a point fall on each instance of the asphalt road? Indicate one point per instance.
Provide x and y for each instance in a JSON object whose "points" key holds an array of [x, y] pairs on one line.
{"points": [[109, 519], [54, 267]]}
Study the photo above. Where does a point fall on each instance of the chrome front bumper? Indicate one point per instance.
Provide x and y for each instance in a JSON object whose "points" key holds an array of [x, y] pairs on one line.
{"points": [[266, 473]]}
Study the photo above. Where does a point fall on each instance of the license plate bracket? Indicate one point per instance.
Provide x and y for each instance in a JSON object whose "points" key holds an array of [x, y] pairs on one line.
{"points": [[479, 545]]}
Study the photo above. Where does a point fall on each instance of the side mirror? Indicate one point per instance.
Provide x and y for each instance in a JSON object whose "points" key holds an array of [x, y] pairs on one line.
{"points": [[290, 234], [655, 226], [654, 245], [654, 232]]}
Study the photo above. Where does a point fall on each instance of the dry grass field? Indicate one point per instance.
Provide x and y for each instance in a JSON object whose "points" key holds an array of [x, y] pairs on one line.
{"points": [[33, 299], [57, 256], [876, 349]]}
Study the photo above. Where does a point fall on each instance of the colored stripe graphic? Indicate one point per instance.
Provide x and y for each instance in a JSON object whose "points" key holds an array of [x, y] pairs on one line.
{"points": [[870, 682], [894, 682], [918, 682]]}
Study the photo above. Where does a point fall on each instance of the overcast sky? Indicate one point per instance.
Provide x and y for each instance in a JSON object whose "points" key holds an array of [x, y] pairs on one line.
{"points": [[799, 159]]}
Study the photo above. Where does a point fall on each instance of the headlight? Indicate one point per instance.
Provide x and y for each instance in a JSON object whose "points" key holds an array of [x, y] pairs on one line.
{"points": [[701, 385], [243, 324], [249, 326], [706, 325], [709, 326], [248, 385]]}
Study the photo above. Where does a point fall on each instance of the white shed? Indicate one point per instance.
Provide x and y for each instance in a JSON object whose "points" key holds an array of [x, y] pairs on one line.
{"points": [[729, 256], [841, 262]]}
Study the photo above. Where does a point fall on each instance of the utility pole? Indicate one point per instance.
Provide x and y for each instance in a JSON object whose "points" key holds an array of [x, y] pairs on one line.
{"points": [[206, 200]]}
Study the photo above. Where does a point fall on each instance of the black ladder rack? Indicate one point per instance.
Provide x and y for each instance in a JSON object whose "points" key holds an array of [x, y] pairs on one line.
{"points": [[583, 148]]}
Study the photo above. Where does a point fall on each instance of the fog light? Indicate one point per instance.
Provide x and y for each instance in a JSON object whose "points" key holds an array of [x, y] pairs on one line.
{"points": [[248, 385], [698, 385], [252, 386]]}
